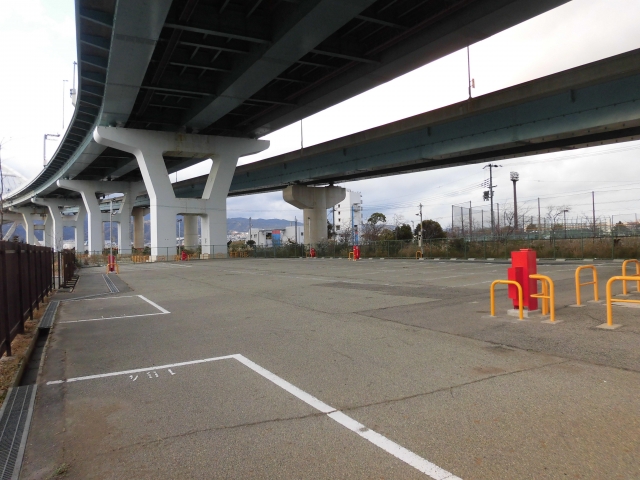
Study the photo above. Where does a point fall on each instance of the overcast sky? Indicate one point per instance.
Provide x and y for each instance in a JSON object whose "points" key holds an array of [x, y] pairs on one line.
{"points": [[37, 50]]}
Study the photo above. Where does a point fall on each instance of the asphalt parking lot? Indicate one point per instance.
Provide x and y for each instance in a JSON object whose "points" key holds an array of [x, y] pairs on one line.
{"points": [[325, 368]]}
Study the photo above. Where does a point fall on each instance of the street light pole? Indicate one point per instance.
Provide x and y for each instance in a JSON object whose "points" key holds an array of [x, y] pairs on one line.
{"points": [[63, 96], [44, 147], [110, 230], [565, 222]]}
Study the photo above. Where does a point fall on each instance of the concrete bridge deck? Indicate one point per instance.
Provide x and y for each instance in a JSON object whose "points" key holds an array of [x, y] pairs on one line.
{"points": [[317, 355]]}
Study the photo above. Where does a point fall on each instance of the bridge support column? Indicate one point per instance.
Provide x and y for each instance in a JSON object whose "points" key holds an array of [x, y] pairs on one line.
{"points": [[138, 227], [314, 201], [149, 148], [190, 232], [78, 222]]}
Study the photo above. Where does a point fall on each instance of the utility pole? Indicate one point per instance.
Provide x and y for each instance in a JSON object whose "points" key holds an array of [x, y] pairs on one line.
{"points": [[295, 228], [422, 229], [491, 187], [111, 229], [539, 226], [515, 176], [250, 228], [593, 204]]}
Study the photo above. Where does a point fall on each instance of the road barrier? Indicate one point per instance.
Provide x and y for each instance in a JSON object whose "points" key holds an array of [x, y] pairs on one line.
{"points": [[548, 296], [352, 256], [493, 295], [623, 278], [419, 255], [111, 267], [594, 282], [624, 274], [139, 258]]}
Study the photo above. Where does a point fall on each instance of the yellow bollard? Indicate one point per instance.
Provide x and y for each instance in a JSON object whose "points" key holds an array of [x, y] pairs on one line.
{"points": [[624, 274], [628, 278], [493, 295], [594, 283], [548, 296]]}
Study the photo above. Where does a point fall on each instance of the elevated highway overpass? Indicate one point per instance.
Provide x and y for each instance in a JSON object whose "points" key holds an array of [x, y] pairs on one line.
{"points": [[188, 73]]}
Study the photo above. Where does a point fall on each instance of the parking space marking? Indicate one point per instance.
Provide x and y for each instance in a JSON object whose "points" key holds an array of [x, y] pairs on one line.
{"points": [[163, 311], [407, 456]]}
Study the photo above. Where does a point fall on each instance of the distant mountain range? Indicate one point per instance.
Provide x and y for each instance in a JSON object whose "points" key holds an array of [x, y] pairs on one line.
{"points": [[233, 225]]}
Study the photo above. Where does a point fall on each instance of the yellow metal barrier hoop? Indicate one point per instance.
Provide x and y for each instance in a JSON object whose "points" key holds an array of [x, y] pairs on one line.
{"points": [[419, 255], [594, 282], [352, 256], [493, 295], [548, 296], [624, 274], [609, 299], [116, 268]]}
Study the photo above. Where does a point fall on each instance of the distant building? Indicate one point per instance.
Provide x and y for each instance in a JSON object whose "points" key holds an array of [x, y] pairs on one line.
{"points": [[268, 237], [348, 214]]}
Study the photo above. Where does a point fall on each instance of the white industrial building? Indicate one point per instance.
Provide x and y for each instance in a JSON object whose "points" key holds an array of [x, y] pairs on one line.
{"points": [[268, 237], [348, 213]]}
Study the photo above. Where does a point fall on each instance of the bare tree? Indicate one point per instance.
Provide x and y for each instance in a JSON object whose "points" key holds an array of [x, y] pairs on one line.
{"points": [[553, 215], [508, 219]]}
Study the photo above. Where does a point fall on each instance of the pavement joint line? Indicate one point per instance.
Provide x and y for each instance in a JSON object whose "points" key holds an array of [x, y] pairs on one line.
{"points": [[407, 456]]}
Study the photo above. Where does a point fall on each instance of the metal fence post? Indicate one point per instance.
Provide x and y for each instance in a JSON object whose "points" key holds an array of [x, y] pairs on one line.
{"points": [[20, 286]]}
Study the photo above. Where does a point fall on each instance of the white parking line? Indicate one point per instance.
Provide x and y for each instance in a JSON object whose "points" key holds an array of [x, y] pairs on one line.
{"points": [[163, 311], [407, 456]]}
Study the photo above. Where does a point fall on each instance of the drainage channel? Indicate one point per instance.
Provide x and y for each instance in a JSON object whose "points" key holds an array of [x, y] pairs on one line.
{"points": [[15, 415]]}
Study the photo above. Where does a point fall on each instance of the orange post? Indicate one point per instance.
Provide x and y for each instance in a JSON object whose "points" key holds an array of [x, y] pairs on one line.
{"points": [[594, 282], [624, 274], [493, 295], [548, 296]]}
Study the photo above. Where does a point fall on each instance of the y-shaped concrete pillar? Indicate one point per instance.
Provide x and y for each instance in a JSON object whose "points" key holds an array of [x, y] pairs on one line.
{"points": [[314, 201], [27, 214], [53, 228], [90, 190], [149, 147]]}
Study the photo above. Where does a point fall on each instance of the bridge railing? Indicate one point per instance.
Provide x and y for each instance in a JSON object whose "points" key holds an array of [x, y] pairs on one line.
{"points": [[26, 278]]}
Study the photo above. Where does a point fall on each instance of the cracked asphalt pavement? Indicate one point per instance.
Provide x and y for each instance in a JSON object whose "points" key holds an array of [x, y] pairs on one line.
{"points": [[405, 348]]}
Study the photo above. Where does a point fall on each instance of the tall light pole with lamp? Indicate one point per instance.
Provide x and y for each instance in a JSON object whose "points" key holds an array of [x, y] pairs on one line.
{"points": [[44, 147], [564, 212], [421, 229], [63, 97]]}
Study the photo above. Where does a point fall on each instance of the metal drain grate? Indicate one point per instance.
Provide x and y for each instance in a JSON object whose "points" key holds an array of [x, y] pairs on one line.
{"points": [[49, 315], [110, 284], [15, 418]]}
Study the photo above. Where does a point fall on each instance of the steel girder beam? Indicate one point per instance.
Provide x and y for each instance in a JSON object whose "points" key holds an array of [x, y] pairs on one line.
{"points": [[472, 22], [312, 23], [590, 105]]}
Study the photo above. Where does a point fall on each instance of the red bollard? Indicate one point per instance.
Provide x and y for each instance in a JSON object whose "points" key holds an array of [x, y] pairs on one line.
{"points": [[112, 263], [356, 252], [184, 256], [313, 253], [523, 264]]}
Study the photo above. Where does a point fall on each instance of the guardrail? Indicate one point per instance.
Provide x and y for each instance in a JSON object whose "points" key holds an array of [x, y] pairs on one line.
{"points": [[548, 296], [26, 278], [594, 282], [624, 274], [493, 295]]}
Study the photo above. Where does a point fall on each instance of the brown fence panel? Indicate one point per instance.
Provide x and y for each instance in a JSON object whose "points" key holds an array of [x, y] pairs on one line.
{"points": [[26, 277]]}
